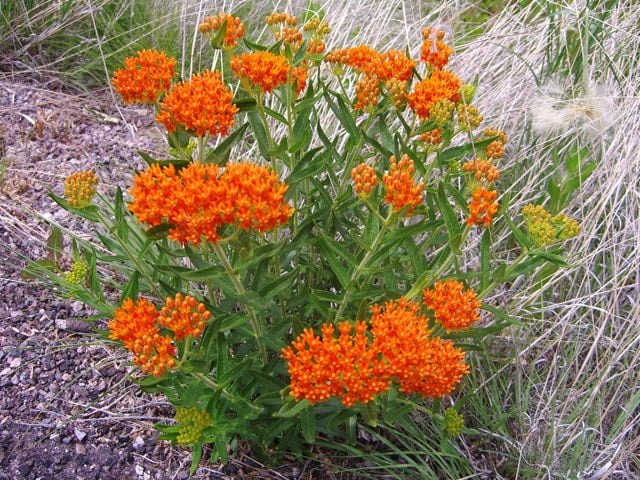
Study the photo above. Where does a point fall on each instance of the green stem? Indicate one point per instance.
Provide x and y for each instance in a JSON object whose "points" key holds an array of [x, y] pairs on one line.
{"points": [[489, 288], [255, 325], [265, 123], [209, 381], [363, 264]]}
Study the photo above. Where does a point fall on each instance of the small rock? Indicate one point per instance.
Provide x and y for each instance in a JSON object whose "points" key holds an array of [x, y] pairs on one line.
{"points": [[15, 363], [139, 470], [138, 442], [77, 306], [24, 469], [5, 371], [80, 435], [80, 449]]}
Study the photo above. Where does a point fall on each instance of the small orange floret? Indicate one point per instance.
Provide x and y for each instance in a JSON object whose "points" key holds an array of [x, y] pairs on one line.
{"points": [[196, 201], [346, 367], [495, 149], [203, 104], [364, 179], [483, 206], [184, 316], [134, 324], [316, 46], [263, 69], [441, 85], [144, 77], [400, 189], [234, 27], [434, 51], [454, 307]]}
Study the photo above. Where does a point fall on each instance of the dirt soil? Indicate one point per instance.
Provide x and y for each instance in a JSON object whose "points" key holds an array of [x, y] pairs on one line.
{"points": [[67, 407]]}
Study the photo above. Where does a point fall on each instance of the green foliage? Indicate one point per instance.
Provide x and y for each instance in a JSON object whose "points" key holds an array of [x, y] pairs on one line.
{"points": [[342, 251]]}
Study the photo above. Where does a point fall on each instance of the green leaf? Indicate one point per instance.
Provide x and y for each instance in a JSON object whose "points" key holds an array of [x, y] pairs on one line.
{"points": [[308, 425], [245, 104], [292, 408], [178, 163], [254, 46], [220, 154], [89, 212], [159, 231], [518, 234], [55, 245], [38, 268], [342, 112], [131, 289], [462, 150], [450, 220], [337, 248], [196, 456], [259, 133], [301, 132], [485, 260], [337, 268], [307, 167]]}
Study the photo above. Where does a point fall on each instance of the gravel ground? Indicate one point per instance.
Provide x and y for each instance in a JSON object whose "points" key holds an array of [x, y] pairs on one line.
{"points": [[67, 409]]}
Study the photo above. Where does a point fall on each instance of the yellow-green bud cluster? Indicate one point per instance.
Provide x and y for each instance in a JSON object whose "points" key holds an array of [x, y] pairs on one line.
{"points": [[80, 187], [568, 227], [320, 27], [453, 422], [78, 272], [192, 422], [467, 91], [440, 113], [469, 117], [545, 229]]}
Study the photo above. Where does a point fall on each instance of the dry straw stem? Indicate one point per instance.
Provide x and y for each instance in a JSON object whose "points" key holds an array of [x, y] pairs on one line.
{"points": [[569, 385]]}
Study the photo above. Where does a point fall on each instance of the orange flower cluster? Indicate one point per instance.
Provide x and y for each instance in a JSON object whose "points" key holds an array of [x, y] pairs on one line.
{"points": [[454, 307], [184, 316], [396, 64], [431, 367], [265, 70], [398, 182], [441, 85], [434, 51], [483, 206], [134, 324], [290, 36], [203, 104], [144, 77], [234, 28], [495, 149], [321, 368], [367, 91], [299, 77], [196, 202], [137, 326], [356, 369], [364, 59], [364, 179], [492, 132], [433, 137], [482, 170], [281, 17], [80, 187]]}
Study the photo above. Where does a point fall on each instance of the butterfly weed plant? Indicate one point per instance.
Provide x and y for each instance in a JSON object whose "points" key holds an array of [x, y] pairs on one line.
{"points": [[317, 283]]}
